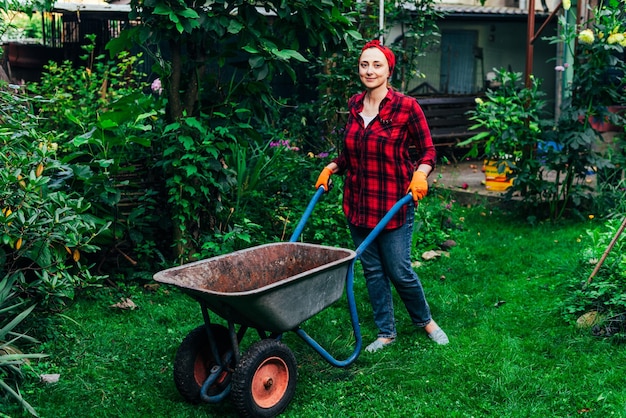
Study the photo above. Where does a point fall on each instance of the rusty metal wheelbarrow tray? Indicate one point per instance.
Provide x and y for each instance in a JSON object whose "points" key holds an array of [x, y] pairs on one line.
{"points": [[272, 287]]}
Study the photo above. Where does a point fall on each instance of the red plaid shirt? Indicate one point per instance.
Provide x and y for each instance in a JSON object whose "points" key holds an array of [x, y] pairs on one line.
{"points": [[376, 158]]}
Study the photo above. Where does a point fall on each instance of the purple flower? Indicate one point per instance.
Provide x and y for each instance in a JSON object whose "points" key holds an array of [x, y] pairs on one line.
{"points": [[283, 143], [156, 86]]}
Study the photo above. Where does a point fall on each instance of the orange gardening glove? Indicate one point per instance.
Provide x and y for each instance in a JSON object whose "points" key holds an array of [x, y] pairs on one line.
{"points": [[323, 179], [418, 186]]}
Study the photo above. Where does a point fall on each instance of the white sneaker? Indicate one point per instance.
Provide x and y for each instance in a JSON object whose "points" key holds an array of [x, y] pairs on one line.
{"points": [[439, 337]]}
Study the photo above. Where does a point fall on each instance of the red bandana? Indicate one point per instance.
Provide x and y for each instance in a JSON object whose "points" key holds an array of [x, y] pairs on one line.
{"points": [[391, 58]]}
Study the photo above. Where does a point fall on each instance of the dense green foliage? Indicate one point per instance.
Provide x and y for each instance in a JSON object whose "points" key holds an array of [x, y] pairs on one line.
{"points": [[603, 293], [45, 230]]}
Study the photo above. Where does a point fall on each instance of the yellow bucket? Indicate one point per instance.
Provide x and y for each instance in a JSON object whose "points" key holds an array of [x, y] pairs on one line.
{"points": [[494, 180]]}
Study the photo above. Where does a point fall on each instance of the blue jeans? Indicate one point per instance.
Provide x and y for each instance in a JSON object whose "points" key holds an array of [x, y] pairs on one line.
{"points": [[388, 260]]}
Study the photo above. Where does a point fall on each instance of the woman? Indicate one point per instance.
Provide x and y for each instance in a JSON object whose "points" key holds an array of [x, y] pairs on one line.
{"points": [[382, 124]]}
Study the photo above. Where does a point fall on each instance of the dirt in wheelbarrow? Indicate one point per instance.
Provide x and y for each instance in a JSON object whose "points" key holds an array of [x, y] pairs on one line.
{"points": [[254, 268]]}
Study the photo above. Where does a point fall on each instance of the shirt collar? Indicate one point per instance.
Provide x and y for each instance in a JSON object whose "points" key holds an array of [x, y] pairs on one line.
{"points": [[383, 105]]}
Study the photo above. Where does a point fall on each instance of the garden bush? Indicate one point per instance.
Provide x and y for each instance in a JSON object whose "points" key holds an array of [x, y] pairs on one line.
{"points": [[46, 234], [602, 295], [105, 118], [551, 156], [47, 229]]}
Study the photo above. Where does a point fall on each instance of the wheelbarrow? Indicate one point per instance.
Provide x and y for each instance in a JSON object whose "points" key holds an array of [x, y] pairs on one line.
{"points": [[273, 289]]}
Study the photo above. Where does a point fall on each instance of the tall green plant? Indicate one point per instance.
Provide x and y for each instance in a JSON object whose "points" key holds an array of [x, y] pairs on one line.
{"points": [[210, 45], [46, 231], [598, 68], [11, 358], [45, 228], [508, 121], [195, 178], [511, 126], [254, 169], [105, 122]]}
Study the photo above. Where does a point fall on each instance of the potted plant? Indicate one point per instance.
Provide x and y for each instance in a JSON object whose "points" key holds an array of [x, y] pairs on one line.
{"points": [[599, 69], [508, 126]]}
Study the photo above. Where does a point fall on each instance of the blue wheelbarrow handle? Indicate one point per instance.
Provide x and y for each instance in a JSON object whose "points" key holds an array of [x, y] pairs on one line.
{"points": [[373, 234], [307, 213], [349, 281], [383, 223]]}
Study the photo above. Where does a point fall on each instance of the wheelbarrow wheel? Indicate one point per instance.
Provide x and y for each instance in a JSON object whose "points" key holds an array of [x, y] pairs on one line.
{"points": [[194, 360], [264, 380]]}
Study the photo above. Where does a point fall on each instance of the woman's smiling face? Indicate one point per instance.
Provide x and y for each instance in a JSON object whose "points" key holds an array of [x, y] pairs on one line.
{"points": [[373, 68]]}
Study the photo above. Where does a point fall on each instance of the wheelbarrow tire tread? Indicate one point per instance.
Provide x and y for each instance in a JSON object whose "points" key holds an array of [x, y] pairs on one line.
{"points": [[195, 348], [264, 358]]}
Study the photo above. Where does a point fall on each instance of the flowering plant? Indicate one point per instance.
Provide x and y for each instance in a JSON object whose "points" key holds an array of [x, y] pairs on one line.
{"points": [[593, 70], [506, 126], [598, 60]]}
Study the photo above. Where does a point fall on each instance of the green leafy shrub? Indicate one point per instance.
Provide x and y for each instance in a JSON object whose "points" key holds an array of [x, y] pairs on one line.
{"points": [[511, 126], [508, 121], [194, 180], [605, 292], [45, 228], [104, 124], [594, 61], [46, 231], [13, 359]]}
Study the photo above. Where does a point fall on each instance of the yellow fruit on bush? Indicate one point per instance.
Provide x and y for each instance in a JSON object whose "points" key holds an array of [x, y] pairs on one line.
{"points": [[76, 255], [21, 182], [18, 243], [7, 212], [39, 170]]}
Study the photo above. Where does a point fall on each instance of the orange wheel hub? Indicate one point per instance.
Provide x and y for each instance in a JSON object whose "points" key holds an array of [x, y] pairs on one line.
{"points": [[270, 382]]}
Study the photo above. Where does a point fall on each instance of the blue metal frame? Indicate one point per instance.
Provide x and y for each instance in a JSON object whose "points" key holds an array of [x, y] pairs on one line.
{"points": [[307, 213], [349, 280], [299, 331]]}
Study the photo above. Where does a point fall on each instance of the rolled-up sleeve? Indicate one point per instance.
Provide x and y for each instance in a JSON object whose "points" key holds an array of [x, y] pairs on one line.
{"points": [[421, 138]]}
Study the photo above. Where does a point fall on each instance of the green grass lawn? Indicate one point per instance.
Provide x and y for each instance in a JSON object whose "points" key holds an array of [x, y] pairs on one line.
{"points": [[498, 295]]}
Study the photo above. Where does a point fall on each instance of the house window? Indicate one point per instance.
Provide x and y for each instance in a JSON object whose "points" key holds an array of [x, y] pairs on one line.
{"points": [[458, 62]]}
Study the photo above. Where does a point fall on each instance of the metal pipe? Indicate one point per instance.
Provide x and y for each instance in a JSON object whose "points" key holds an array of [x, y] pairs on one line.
{"points": [[545, 23], [529, 45], [381, 19]]}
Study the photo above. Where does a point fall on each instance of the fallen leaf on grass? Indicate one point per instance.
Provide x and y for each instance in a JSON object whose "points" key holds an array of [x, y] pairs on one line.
{"points": [[152, 287], [587, 320], [50, 378], [429, 255], [125, 303]]}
